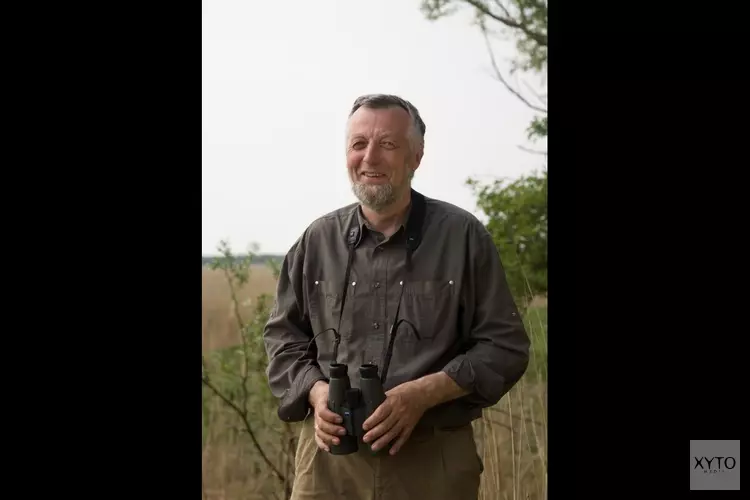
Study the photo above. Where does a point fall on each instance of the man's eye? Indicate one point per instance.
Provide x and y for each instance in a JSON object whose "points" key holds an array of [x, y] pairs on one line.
{"points": [[358, 145], [388, 145]]}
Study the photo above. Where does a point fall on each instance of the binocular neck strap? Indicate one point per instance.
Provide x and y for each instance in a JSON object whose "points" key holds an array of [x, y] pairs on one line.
{"points": [[347, 274], [394, 326], [396, 322], [413, 239]]}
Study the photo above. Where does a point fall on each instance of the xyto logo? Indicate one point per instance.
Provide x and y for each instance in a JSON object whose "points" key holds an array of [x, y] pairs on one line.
{"points": [[714, 465]]}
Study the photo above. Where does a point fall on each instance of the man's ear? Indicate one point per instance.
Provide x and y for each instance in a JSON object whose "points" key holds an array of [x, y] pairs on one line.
{"points": [[418, 158]]}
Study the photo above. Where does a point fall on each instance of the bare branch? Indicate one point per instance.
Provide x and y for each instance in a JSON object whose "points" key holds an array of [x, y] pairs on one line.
{"points": [[205, 368], [243, 415], [236, 273], [503, 8], [235, 301], [540, 97], [532, 151], [244, 373], [499, 75], [539, 38]]}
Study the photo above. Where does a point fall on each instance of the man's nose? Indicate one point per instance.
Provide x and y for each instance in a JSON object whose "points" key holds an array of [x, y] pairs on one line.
{"points": [[372, 154]]}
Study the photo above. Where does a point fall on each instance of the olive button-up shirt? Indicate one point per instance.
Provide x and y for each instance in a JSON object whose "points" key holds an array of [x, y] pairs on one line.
{"points": [[456, 296]]}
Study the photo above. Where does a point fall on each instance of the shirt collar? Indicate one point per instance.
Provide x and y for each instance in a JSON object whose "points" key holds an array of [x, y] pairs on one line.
{"points": [[363, 224]]}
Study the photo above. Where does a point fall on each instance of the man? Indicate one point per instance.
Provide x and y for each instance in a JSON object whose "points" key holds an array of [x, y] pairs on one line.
{"points": [[395, 253]]}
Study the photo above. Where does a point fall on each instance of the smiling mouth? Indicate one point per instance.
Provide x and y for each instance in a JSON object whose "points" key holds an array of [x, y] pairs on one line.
{"points": [[372, 175]]}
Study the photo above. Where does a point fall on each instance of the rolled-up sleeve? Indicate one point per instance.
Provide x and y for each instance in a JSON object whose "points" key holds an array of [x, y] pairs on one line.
{"points": [[291, 373], [497, 353]]}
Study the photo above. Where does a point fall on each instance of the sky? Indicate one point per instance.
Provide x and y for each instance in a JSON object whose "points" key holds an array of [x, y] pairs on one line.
{"points": [[279, 79]]}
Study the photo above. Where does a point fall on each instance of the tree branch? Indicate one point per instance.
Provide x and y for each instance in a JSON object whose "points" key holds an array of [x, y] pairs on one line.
{"points": [[236, 271], [503, 8], [532, 151], [539, 38], [248, 428], [499, 75], [241, 325], [540, 97]]}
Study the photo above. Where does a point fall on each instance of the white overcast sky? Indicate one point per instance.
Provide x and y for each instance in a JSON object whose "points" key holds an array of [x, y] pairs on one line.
{"points": [[279, 79]]}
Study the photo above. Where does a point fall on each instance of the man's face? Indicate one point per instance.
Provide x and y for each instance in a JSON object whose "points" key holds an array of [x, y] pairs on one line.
{"points": [[379, 157]]}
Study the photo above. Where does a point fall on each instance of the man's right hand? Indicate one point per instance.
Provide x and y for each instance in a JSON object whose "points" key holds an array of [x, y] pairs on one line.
{"points": [[326, 428]]}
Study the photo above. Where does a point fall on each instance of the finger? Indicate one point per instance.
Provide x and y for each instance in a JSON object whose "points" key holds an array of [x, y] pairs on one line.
{"points": [[329, 428], [401, 440], [329, 416], [379, 415], [380, 429], [326, 438], [321, 444], [387, 438]]}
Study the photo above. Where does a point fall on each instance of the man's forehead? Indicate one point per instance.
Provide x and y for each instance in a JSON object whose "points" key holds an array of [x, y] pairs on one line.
{"points": [[393, 119]]}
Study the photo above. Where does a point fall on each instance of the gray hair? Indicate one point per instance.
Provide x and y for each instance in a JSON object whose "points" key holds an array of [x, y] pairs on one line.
{"points": [[382, 101]]}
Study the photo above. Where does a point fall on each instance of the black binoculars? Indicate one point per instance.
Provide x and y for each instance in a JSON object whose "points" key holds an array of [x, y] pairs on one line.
{"points": [[352, 404]]}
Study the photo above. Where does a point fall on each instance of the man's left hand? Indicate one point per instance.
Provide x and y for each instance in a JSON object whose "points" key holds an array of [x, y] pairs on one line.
{"points": [[395, 418]]}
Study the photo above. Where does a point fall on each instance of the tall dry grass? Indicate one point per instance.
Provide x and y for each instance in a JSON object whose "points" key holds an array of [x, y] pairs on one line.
{"points": [[511, 437], [220, 328], [232, 466]]}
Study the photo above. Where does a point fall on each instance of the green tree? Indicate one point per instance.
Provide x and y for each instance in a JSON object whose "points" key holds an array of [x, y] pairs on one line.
{"points": [[236, 377], [524, 21], [517, 213], [517, 210]]}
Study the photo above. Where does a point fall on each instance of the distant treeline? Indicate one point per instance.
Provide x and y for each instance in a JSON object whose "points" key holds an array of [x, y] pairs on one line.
{"points": [[257, 259]]}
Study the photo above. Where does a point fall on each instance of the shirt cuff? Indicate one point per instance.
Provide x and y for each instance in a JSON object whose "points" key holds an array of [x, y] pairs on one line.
{"points": [[295, 403], [459, 369]]}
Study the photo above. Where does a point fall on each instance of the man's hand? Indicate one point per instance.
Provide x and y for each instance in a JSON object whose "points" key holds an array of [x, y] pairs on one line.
{"points": [[325, 420], [404, 405], [395, 418]]}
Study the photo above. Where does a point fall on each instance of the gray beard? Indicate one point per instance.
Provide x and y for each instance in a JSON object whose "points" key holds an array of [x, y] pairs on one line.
{"points": [[376, 198], [380, 197]]}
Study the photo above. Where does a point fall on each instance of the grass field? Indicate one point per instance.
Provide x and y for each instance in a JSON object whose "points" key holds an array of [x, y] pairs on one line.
{"points": [[219, 324], [511, 437]]}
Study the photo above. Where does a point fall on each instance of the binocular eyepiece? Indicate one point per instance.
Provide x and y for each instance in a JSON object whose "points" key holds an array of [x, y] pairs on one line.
{"points": [[353, 405]]}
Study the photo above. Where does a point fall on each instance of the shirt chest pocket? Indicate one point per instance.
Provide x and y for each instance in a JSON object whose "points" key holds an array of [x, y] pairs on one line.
{"points": [[429, 306], [325, 305]]}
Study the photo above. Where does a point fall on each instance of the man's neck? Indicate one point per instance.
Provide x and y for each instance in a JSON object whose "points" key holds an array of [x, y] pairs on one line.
{"points": [[390, 218]]}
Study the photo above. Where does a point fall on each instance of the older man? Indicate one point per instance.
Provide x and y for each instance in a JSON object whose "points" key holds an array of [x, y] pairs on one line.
{"points": [[395, 253]]}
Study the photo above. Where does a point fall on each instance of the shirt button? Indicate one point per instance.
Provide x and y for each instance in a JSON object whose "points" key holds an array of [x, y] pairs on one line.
{"points": [[376, 325]]}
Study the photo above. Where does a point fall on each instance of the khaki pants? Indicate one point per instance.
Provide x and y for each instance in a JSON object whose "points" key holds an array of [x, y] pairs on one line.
{"points": [[432, 465]]}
